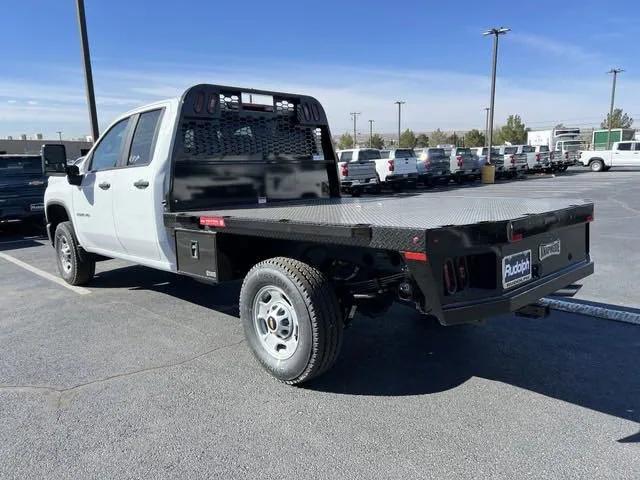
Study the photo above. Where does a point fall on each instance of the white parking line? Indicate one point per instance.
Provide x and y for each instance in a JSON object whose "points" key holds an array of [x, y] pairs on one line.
{"points": [[43, 274]]}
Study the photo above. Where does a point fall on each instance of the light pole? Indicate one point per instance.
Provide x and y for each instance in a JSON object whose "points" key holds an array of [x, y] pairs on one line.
{"points": [[615, 72], [399, 103], [486, 126], [496, 32], [59, 135], [371, 133], [354, 115], [88, 76]]}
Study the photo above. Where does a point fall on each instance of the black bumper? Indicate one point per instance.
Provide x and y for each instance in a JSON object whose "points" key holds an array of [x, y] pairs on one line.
{"points": [[513, 300]]}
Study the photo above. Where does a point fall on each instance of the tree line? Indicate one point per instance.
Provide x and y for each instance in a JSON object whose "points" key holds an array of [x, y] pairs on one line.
{"points": [[514, 131]]}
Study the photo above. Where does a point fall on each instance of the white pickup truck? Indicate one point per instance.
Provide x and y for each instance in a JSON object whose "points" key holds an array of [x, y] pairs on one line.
{"points": [[623, 154], [226, 184], [357, 170]]}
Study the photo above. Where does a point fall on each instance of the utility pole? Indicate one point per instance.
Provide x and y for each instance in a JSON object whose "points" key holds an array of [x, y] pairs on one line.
{"points": [[496, 32], [615, 72], [371, 133], [399, 103], [59, 135], [88, 76], [486, 126], [354, 115]]}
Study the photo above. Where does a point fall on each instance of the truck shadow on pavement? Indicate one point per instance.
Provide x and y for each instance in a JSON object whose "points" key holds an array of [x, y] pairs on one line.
{"points": [[582, 360]]}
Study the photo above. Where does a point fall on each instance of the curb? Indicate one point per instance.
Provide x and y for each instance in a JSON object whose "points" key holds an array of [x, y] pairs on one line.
{"points": [[606, 313]]}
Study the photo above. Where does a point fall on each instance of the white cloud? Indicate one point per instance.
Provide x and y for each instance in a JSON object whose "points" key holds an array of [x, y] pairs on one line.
{"points": [[545, 45], [435, 98]]}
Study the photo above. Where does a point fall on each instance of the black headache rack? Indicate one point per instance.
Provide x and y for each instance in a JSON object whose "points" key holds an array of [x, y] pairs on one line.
{"points": [[238, 146]]}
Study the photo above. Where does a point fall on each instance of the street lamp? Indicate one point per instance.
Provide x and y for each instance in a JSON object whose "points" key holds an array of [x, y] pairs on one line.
{"points": [[371, 133], [615, 72], [354, 115], [88, 76], [486, 125], [59, 135], [399, 103], [496, 32]]}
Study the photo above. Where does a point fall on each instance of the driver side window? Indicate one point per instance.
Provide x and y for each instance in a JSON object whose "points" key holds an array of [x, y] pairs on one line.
{"points": [[107, 153]]}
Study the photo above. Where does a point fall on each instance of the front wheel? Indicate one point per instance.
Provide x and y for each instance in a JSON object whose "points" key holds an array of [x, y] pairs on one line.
{"points": [[75, 265], [292, 319]]}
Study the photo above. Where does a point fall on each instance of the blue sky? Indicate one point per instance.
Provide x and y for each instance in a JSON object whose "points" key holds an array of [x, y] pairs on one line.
{"points": [[351, 55]]}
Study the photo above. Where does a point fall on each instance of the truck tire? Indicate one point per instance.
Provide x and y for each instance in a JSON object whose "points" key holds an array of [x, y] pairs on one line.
{"points": [[596, 165], [292, 319], [75, 265]]}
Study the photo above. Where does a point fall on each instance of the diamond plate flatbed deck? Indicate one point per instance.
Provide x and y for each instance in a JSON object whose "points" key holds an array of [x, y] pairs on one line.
{"points": [[382, 222]]}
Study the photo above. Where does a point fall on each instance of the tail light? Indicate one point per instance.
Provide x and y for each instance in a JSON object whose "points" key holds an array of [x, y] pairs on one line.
{"points": [[459, 158], [427, 163], [344, 170], [392, 165], [566, 155], [537, 157], [513, 159]]}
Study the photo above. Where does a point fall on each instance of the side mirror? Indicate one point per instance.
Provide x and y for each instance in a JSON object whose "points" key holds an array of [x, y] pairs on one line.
{"points": [[54, 160]]}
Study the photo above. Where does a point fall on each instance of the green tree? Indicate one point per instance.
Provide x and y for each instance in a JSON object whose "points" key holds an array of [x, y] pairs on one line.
{"points": [[619, 120], [345, 141], [453, 139], [422, 141], [474, 138], [408, 139], [514, 131], [377, 141], [438, 138]]}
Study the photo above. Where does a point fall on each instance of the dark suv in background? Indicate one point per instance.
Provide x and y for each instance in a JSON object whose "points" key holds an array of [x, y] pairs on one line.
{"points": [[22, 185]]}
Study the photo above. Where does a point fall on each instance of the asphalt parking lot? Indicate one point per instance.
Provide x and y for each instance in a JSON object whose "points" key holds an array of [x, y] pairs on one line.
{"points": [[146, 376]]}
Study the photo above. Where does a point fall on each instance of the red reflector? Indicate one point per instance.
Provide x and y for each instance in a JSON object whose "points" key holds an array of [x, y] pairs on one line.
{"points": [[516, 237], [417, 256], [212, 221], [589, 218]]}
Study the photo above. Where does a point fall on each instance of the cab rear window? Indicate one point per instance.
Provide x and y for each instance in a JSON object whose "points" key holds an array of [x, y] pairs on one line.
{"points": [[510, 150], [528, 149], [20, 165], [369, 155], [404, 152]]}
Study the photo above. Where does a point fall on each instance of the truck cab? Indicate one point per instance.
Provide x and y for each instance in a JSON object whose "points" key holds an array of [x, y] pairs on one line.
{"points": [[622, 154]]}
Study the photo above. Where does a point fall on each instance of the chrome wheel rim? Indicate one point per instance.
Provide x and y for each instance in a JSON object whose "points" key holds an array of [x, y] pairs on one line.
{"points": [[64, 253], [275, 322]]}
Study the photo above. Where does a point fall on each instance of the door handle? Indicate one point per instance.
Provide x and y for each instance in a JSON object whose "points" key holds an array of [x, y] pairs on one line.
{"points": [[105, 185], [141, 184]]}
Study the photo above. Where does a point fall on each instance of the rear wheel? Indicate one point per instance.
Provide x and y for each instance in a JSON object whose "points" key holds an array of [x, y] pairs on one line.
{"points": [[292, 319], [75, 265], [596, 165]]}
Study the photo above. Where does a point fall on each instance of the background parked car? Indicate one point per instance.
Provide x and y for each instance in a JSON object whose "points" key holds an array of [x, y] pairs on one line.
{"points": [[545, 155], [462, 164], [22, 186], [357, 170], [514, 163], [433, 165], [622, 154], [397, 167], [496, 158], [535, 162]]}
